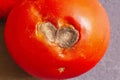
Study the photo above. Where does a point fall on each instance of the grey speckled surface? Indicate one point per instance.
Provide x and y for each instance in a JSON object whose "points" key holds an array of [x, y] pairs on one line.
{"points": [[107, 69]]}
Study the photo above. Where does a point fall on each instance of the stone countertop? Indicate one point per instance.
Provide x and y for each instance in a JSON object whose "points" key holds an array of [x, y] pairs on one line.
{"points": [[107, 69]]}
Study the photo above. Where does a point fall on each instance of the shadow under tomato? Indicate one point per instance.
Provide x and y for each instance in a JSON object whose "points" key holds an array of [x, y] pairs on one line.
{"points": [[8, 69]]}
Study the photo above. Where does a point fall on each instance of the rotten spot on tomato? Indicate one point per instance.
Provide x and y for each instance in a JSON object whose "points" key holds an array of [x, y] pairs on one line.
{"points": [[49, 30], [64, 37]]}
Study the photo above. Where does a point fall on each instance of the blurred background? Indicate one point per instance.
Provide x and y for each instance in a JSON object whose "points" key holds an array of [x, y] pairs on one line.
{"points": [[107, 69]]}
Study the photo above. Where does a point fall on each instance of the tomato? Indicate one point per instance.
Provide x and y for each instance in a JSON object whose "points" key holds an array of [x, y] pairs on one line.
{"points": [[6, 6], [57, 39]]}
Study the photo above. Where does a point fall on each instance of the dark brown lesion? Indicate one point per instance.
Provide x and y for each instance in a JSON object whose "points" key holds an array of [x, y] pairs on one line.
{"points": [[64, 37]]}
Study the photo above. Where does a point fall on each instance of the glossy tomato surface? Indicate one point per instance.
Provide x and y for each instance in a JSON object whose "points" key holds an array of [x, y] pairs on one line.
{"points": [[37, 36], [6, 6]]}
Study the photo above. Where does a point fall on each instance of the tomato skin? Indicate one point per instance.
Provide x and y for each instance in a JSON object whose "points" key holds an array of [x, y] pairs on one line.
{"points": [[6, 6], [39, 58]]}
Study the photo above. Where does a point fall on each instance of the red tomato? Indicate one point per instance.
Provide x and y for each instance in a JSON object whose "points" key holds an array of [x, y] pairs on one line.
{"points": [[57, 39], [6, 6]]}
